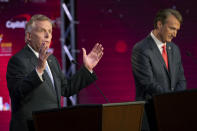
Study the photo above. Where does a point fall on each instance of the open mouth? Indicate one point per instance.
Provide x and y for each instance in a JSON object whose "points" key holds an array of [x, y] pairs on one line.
{"points": [[170, 37], [45, 42]]}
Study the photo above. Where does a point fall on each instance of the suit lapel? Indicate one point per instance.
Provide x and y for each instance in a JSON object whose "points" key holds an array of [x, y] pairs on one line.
{"points": [[169, 52], [157, 54], [32, 57], [52, 68]]}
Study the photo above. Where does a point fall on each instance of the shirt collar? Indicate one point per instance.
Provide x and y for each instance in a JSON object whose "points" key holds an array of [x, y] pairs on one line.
{"points": [[36, 53], [157, 41]]}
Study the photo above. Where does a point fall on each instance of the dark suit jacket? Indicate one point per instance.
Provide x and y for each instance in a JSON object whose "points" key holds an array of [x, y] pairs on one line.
{"points": [[150, 72], [28, 93]]}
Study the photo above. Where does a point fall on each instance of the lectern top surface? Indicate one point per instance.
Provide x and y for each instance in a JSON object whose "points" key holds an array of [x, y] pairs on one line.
{"points": [[124, 103]]}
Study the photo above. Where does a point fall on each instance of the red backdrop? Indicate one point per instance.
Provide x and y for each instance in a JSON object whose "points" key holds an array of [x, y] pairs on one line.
{"points": [[118, 25], [13, 16]]}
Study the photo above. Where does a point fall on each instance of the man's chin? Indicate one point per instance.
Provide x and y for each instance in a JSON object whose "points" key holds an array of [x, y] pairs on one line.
{"points": [[169, 40]]}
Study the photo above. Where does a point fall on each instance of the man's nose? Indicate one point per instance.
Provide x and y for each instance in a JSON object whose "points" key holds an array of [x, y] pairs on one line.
{"points": [[174, 33], [46, 35]]}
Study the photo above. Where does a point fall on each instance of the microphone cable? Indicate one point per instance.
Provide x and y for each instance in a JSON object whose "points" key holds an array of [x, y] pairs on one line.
{"points": [[94, 82]]}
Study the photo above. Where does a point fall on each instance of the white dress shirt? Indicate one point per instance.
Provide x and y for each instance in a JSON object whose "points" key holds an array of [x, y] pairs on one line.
{"points": [[158, 42]]}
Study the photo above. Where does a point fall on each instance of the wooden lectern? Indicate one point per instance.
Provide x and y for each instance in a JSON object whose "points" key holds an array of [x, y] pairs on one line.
{"points": [[175, 111], [99, 117]]}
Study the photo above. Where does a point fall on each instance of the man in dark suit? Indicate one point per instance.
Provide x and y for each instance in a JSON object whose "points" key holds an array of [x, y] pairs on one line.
{"points": [[34, 76], [156, 60]]}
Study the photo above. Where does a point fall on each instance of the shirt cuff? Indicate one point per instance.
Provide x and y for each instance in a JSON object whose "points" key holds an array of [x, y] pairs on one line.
{"points": [[40, 75]]}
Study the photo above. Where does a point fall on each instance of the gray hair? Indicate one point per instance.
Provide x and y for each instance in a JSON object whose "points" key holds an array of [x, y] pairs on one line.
{"points": [[38, 17]]}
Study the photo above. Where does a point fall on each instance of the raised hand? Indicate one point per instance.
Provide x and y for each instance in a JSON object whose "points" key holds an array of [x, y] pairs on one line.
{"points": [[92, 59], [43, 55]]}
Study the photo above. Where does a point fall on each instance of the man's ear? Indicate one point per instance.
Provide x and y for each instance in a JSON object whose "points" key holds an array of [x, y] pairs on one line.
{"points": [[159, 25], [28, 36]]}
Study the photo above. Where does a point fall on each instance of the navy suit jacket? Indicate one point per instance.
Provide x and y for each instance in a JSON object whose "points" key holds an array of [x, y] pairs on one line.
{"points": [[150, 72], [28, 93]]}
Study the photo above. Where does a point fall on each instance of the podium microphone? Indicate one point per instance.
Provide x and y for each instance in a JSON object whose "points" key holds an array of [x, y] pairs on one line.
{"points": [[75, 62]]}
